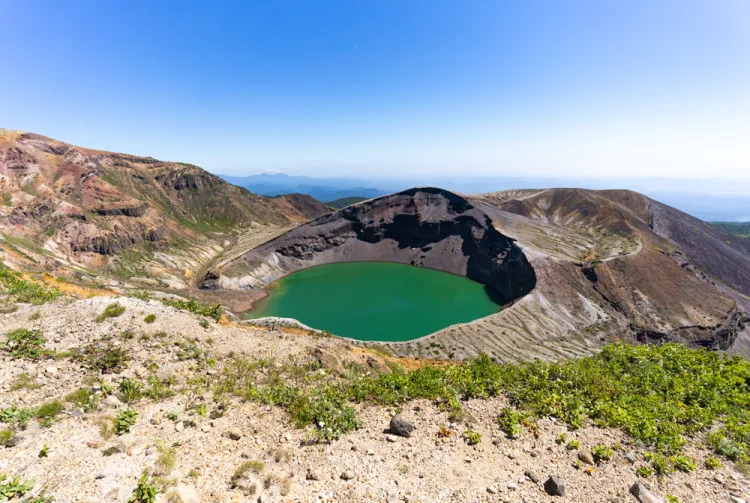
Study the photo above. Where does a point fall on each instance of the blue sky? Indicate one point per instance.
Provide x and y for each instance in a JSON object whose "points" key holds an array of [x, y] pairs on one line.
{"points": [[537, 88]]}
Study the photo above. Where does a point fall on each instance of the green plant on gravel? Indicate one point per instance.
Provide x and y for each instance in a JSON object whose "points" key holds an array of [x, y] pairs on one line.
{"points": [[124, 420], [131, 390], [683, 463], [658, 395], [712, 463], [12, 488], [644, 471], [105, 359], [83, 398], [204, 324], [16, 416], [24, 381], [48, 411], [509, 421], [22, 290], [573, 445], [659, 463], [113, 310], [144, 492], [245, 467], [6, 436], [472, 437], [43, 452], [28, 344], [601, 453], [150, 318], [672, 499]]}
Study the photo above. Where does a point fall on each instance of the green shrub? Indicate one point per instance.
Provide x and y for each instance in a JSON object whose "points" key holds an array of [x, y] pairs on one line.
{"points": [[144, 492], [16, 416], [113, 310], [510, 422], [12, 488], [602, 453], [472, 437], [712, 463], [6, 436], [124, 420], [659, 463], [150, 318], [327, 412], [644, 471], [28, 344], [131, 390], [105, 359], [683, 463], [573, 445]]}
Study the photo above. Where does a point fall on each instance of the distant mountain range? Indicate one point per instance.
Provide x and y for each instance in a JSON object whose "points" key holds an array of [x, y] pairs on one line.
{"points": [[707, 199], [322, 189]]}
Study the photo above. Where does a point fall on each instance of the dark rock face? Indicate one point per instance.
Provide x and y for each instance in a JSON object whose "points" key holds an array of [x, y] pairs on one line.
{"points": [[425, 227]]}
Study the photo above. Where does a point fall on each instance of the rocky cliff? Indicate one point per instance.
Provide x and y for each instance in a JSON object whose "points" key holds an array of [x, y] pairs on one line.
{"points": [[425, 227]]}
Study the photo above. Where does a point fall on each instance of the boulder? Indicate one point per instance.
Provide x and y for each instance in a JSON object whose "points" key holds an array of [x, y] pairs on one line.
{"points": [[555, 486], [329, 360], [643, 495], [400, 426]]}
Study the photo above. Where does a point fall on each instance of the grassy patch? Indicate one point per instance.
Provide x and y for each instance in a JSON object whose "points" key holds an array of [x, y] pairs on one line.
{"points": [[113, 310], [23, 290], [658, 395], [150, 318], [27, 344]]}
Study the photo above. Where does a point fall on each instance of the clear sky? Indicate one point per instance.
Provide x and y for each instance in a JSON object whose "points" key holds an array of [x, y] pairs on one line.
{"points": [[571, 87]]}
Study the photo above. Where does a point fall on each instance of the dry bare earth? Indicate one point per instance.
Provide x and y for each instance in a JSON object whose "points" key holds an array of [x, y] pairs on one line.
{"points": [[377, 466]]}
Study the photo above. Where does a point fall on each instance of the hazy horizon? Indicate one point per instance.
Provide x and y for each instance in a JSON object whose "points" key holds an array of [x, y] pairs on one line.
{"points": [[588, 89]]}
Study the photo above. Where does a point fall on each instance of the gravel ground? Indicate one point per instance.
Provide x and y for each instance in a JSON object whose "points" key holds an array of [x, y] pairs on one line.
{"points": [[366, 465]]}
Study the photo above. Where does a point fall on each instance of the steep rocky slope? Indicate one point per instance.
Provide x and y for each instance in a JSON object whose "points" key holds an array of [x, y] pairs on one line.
{"points": [[425, 227], [67, 206]]}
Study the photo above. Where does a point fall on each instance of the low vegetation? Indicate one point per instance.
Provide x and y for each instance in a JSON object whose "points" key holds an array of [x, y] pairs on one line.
{"points": [[658, 395], [113, 310], [24, 343], [189, 305], [20, 289]]}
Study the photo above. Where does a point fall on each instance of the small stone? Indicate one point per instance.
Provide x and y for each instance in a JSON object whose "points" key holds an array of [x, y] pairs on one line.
{"points": [[312, 475], [491, 490], [112, 401], [555, 486], [512, 486], [233, 433], [205, 427], [586, 457], [643, 495], [391, 438], [631, 457], [736, 499], [50, 370], [329, 360], [400, 426], [347, 475], [535, 478], [187, 494]]}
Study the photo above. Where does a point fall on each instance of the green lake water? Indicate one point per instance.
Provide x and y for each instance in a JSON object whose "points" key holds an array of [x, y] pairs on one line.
{"points": [[375, 301]]}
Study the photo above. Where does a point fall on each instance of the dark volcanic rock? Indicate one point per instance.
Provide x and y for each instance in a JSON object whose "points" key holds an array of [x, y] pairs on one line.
{"points": [[425, 227], [555, 486], [400, 426]]}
